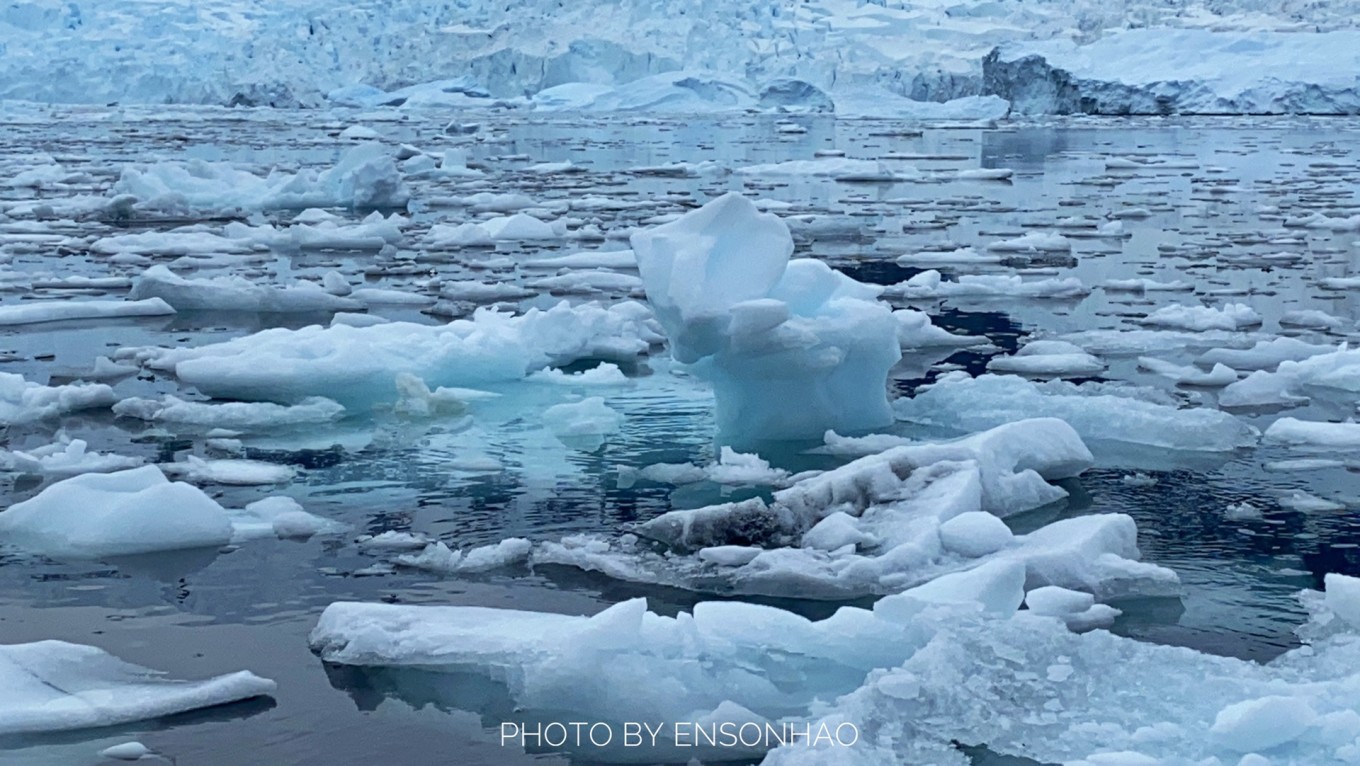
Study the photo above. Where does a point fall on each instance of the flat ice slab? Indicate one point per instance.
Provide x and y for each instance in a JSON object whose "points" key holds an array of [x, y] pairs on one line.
{"points": [[56, 686]]}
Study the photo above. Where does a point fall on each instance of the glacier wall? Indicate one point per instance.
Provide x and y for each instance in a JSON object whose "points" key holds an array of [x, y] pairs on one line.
{"points": [[1181, 71], [291, 53]]}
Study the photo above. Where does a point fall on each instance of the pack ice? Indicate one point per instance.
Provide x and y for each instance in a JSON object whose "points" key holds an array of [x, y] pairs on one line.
{"points": [[887, 522], [56, 686], [766, 330]]}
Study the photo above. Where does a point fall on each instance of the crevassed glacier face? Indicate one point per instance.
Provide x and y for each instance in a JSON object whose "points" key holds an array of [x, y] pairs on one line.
{"points": [[295, 53]]}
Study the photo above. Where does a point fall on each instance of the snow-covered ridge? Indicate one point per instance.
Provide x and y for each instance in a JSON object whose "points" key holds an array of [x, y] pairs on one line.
{"points": [[296, 52]]}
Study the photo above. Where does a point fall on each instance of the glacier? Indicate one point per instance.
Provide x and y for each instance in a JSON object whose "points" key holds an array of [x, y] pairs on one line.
{"points": [[889, 58]]}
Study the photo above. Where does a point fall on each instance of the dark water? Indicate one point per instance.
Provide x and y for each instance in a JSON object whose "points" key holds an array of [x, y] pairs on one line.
{"points": [[196, 614]]}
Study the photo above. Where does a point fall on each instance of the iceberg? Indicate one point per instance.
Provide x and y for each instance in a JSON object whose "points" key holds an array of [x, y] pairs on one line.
{"points": [[766, 330]]}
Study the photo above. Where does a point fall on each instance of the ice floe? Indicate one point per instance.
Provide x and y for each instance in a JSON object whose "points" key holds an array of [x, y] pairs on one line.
{"points": [[57, 686]]}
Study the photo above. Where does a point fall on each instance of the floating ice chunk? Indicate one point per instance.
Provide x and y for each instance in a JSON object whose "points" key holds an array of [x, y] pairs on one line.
{"points": [[474, 291], [24, 402], [235, 294], [1045, 358], [998, 587], [106, 369], [1338, 370], [873, 526], [1145, 285], [1304, 433], [360, 133], [1232, 316], [1262, 724], [963, 255], [1342, 598], [34, 312], [97, 515], [838, 168], [358, 366], [165, 243], [56, 686], [1138, 480], [1013, 462], [235, 416], [604, 374], [929, 284], [1053, 601], [766, 330], [916, 330], [281, 517], [128, 751], [365, 176], [373, 233], [67, 458], [518, 227], [1035, 241], [975, 534], [1220, 375], [859, 446], [416, 400], [1260, 389], [358, 320], [1311, 318], [601, 259], [438, 557], [462, 235], [584, 282], [736, 468], [393, 540], [1303, 502], [584, 424], [226, 471], [970, 404]]}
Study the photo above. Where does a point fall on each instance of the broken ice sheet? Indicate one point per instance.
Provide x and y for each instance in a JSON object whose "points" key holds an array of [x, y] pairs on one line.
{"points": [[949, 662]]}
